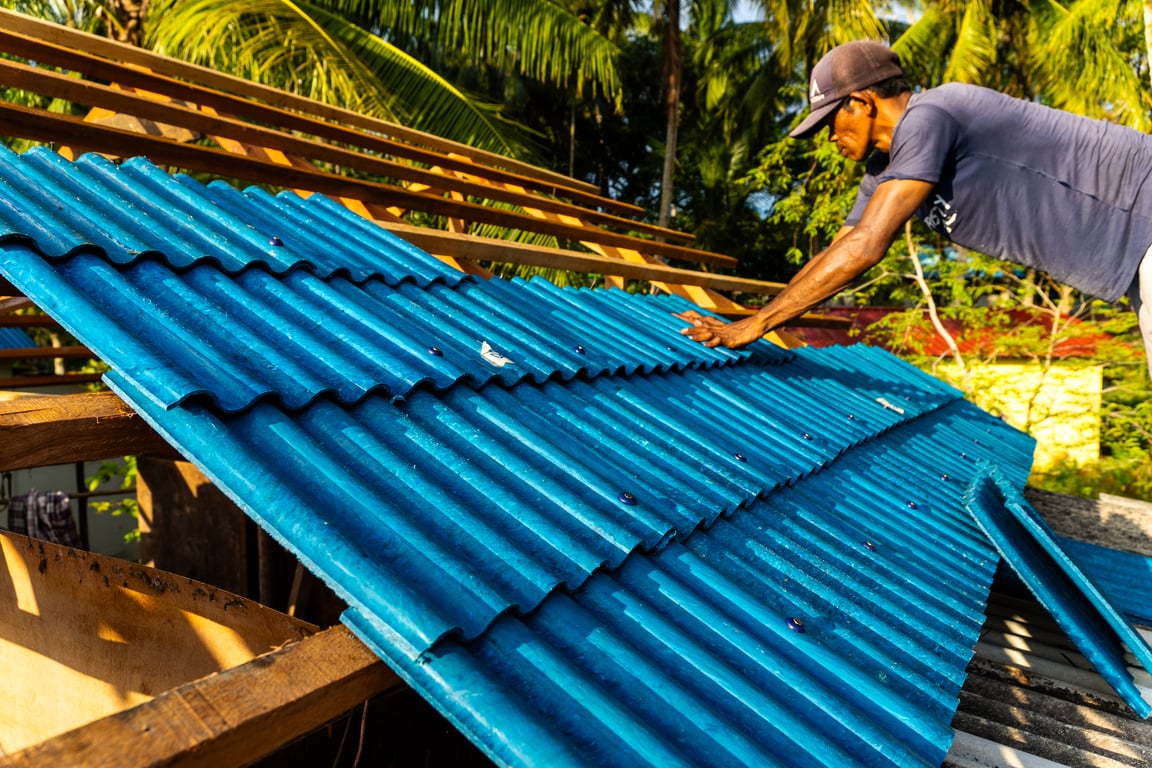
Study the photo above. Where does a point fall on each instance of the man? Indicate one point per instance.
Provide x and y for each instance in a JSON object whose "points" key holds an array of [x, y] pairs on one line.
{"points": [[1009, 178]]}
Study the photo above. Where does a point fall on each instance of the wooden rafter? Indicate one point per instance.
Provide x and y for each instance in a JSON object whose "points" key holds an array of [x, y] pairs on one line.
{"points": [[45, 430]]}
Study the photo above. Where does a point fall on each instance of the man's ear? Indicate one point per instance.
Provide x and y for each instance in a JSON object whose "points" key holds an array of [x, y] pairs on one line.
{"points": [[867, 101]]}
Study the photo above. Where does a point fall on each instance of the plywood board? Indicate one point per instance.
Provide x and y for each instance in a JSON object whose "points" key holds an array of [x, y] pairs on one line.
{"points": [[83, 636]]}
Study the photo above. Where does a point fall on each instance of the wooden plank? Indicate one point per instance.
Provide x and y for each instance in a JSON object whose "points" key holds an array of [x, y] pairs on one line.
{"points": [[103, 60], [231, 718], [40, 431], [16, 75], [84, 636], [53, 380], [37, 353], [27, 321], [175, 500], [456, 245], [10, 303], [66, 129]]}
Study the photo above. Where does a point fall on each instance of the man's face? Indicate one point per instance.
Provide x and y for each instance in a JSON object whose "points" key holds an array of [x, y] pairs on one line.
{"points": [[851, 128]]}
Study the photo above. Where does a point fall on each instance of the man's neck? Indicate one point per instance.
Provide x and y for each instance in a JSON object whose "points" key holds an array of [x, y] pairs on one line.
{"points": [[888, 114]]}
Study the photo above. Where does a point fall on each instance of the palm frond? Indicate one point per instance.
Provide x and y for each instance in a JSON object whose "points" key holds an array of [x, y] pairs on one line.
{"points": [[308, 50], [537, 38], [1088, 58]]}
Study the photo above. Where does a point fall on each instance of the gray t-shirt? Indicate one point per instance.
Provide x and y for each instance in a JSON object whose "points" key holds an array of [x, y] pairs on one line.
{"points": [[1026, 183]]}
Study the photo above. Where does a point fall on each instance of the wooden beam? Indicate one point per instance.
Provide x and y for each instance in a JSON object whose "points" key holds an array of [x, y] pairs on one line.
{"points": [[45, 430], [43, 82], [231, 718], [28, 321], [66, 129], [50, 380], [36, 353], [465, 246], [102, 59], [9, 303]]}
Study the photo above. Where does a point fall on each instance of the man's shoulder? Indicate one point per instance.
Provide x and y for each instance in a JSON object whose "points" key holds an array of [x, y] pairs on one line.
{"points": [[960, 98]]}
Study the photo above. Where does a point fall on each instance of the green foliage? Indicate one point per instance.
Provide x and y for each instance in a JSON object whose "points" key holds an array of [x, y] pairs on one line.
{"points": [[108, 471], [1131, 478], [813, 188]]}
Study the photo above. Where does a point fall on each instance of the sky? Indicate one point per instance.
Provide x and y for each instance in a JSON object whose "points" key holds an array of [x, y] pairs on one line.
{"points": [[746, 11]]}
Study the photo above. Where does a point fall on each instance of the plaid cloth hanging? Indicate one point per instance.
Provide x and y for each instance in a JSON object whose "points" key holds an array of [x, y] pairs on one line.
{"points": [[44, 515]]}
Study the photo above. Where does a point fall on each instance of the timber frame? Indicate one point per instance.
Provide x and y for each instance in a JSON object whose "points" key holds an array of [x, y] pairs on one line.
{"points": [[187, 117], [190, 118], [233, 717]]}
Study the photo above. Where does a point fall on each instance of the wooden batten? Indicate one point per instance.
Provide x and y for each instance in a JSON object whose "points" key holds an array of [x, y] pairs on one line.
{"points": [[104, 59], [464, 246], [50, 127]]}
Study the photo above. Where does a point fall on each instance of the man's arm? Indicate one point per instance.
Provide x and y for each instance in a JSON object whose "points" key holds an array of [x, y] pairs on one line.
{"points": [[854, 251]]}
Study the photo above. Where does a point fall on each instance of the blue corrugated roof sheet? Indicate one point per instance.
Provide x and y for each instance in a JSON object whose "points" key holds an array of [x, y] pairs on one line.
{"points": [[584, 538], [15, 338]]}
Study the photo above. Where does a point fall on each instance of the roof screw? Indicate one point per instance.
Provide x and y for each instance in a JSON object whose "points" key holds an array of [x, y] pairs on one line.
{"points": [[435, 351], [795, 624], [627, 498], [669, 347], [869, 546], [946, 477], [739, 456], [580, 349], [913, 505], [276, 241], [807, 436], [851, 417]]}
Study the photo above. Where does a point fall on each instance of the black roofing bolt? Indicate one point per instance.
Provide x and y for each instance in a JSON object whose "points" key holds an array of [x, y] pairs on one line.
{"points": [[807, 436], [627, 498], [580, 349], [913, 505], [739, 457], [276, 241], [869, 546], [795, 624], [851, 417], [435, 351], [946, 477]]}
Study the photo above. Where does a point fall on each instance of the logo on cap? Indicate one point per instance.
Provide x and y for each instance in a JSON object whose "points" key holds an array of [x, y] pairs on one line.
{"points": [[814, 94]]}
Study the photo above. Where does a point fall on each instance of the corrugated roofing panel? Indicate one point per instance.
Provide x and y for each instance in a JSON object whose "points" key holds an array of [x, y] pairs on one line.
{"points": [[690, 655], [135, 211], [15, 338], [1030, 547], [586, 546], [237, 338], [513, 492], [1123, 577]]}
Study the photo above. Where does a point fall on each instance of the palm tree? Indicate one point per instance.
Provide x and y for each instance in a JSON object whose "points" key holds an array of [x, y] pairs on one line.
{"points": [[1086, 56]]}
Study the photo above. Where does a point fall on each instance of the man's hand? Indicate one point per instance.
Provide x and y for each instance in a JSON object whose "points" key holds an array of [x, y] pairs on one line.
{"points": [[712, 332]]}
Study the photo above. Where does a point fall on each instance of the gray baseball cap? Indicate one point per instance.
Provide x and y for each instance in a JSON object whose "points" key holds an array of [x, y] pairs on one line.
{"points": [[844, 69]]}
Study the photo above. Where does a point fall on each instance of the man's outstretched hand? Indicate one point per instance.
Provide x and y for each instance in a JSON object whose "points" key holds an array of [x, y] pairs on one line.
{"points": [[713, 332]]}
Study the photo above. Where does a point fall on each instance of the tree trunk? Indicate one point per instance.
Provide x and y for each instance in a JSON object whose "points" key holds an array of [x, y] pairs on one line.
{"points": [[1148, 34], [126, 20], [673, 71]]}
